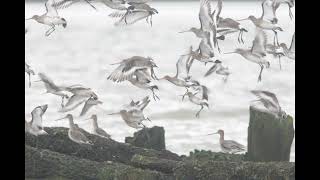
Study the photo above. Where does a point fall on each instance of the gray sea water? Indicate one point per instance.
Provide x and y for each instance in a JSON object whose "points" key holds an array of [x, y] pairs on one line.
{"points": [[81, 54]]}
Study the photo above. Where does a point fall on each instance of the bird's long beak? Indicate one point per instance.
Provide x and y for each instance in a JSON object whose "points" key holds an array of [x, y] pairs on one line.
{"points": [[91, 5], [37, 81], [29, 18], [184, 31], [212, 133], [61, 118], [243, 19], [114, 113], [229, 52]]}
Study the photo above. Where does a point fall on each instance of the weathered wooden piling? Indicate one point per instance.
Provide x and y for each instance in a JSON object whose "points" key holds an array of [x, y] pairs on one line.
{"points": [[269, 138]]}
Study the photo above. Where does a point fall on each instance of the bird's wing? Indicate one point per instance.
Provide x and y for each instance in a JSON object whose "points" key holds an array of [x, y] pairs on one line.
{"points": [[51, 10], [259, 43], [227, 23], [26, 66], [132, 17], [102, 132], [293, 43], [214, 68], [79, 136], [49, 84], [268, 11], [117, 14], [234, 145], [143, 76], [87, 106], [205, 15], [123, 72], [217, 12], [114, 4], [268, 96], [205, 49], [62, 4], [73, 102], [204, 91], [182, 66]]}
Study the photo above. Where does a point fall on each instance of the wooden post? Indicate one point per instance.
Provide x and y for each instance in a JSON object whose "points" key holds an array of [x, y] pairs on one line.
{"points": [[269, 138]]}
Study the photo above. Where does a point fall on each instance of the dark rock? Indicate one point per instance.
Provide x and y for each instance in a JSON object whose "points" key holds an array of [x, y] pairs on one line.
{"points": [[45, 164], [102, 149], [269, 139], [150, 138]]}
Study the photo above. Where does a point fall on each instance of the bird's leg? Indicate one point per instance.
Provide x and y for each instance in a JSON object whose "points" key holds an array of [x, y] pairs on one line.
{"points": [[259, 78], [49, 31], [29, 79], [198, 113], [153, 75], [275, 38], [125, 16], [185, 93], [62, 101], [218, 47], [290, 13], [155, 97], [147, 119], [242, 37], [239, 38], [151, 20], [225, 79], [279, 56]]}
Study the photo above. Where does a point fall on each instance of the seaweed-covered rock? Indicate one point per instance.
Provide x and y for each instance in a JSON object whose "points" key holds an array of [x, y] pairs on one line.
{"points": [[162, 165], [150, 138], [269, 138], [243, 170], [45, 164], [102, 149], [214, 156]]}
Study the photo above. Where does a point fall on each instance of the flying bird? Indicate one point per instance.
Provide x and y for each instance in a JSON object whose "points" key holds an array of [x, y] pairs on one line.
{"points": [[50, 18], [128, 67], [258, 51], [61, 4], [133, 115], [270, 101], [290, 53], [52, 88], [182, 77], [219, 69]]}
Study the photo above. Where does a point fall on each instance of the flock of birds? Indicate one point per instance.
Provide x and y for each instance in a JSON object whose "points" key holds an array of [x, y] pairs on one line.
{"points": [[139, 71], [128, 12]]}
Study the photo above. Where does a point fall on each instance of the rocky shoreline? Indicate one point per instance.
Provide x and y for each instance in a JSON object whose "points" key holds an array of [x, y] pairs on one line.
{"points": [[54, 156]]}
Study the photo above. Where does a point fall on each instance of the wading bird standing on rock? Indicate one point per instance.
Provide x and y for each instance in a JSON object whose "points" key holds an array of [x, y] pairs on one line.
{"points": [[35, 127], [229, 146]]}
